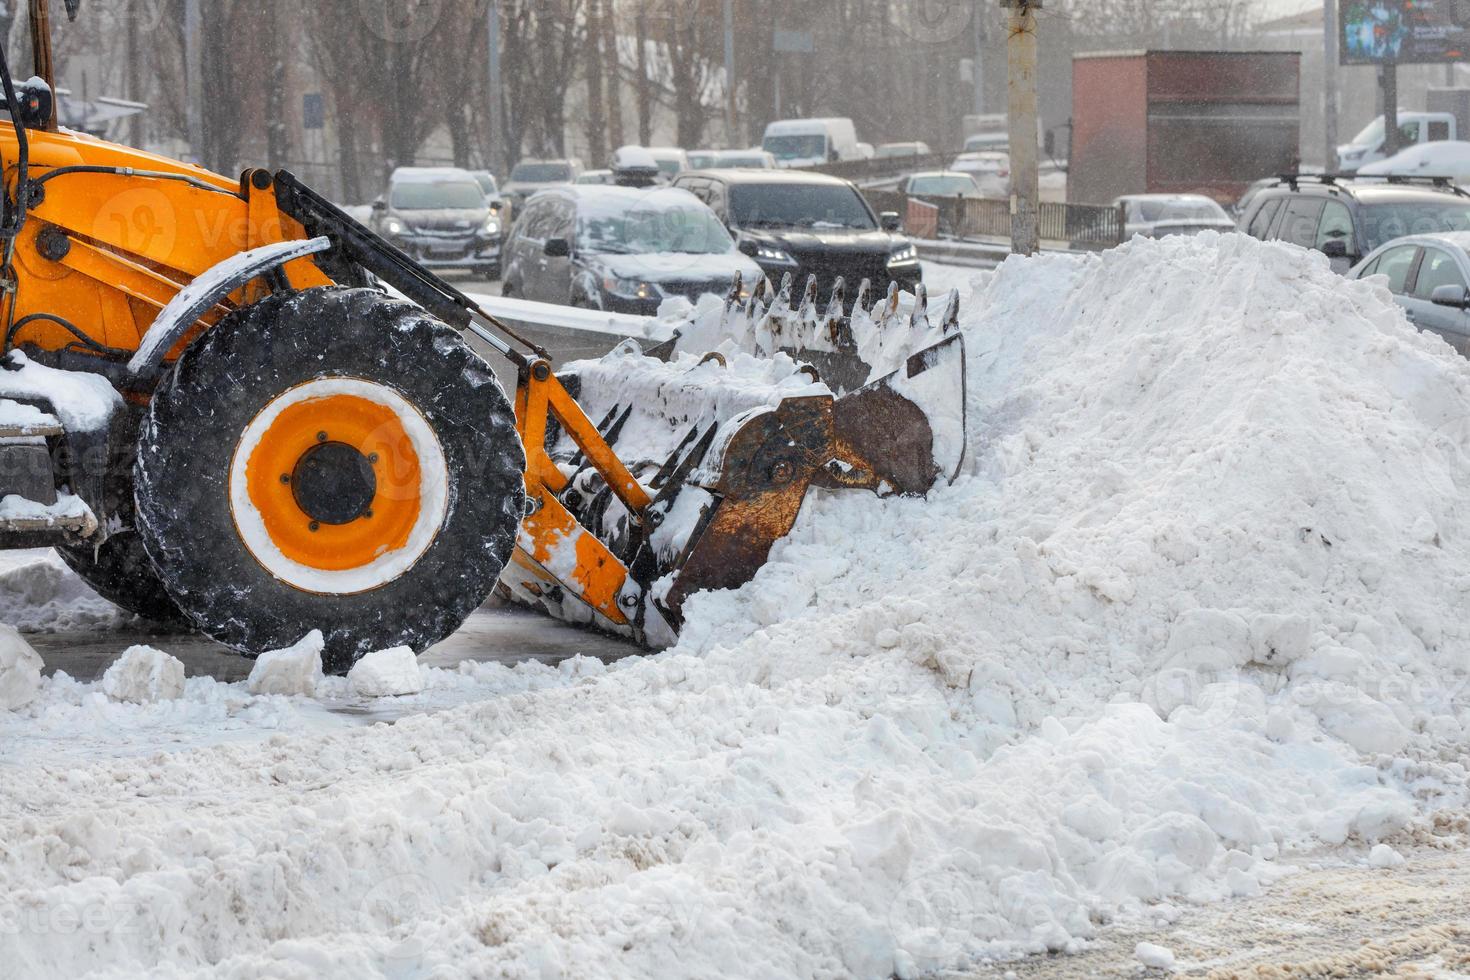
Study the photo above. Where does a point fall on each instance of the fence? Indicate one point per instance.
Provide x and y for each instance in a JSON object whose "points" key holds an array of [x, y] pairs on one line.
{"points": [[1079, 226]]}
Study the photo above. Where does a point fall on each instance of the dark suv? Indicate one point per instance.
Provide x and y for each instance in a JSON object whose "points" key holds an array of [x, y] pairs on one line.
{"points": [[1346, 218], [808, 224]]}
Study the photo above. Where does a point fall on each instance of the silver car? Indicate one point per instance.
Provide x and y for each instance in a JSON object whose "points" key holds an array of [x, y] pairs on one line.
{"points": [[1429, 276]]}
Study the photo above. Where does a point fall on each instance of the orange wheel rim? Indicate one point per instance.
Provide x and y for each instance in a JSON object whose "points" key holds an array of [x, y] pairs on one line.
{"points": [[362, 445]]}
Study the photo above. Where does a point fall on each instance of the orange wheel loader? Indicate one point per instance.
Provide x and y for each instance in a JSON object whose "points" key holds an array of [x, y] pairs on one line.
{"points": [[213, 408]]}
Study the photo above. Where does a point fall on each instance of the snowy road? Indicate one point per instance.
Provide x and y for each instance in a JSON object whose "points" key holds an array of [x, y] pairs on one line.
{"points": [[1178, 660]]}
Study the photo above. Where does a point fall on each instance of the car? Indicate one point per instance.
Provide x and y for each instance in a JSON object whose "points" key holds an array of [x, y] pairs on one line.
{"points": [[1158, 215], [1346, 218], [808, 224], [1429, 276], [889, 151], [530, 176], [702, 159], [1446, 158], [439, 216], [498, 204], [743, 160], [940, 183], [595, 177], [811, 142], [671, 161], [990, 168], [621, 249]]}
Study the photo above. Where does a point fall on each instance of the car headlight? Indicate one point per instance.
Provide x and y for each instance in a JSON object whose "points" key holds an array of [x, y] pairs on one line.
{"points": [[907, 255], [393, 226], [770, 253], [630, 288], [491, 227]]}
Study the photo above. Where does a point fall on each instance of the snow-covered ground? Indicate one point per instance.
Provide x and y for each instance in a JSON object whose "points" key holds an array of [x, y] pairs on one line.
{"points": [[1193, 615]]}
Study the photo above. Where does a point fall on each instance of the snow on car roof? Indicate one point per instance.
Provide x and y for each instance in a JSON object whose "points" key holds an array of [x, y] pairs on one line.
{"points": [[601, 200], [430, 174]]}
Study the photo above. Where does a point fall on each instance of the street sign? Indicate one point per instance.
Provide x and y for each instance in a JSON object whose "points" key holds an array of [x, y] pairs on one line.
{"points": [[313, 111], [1377, 32], [795, 42]]}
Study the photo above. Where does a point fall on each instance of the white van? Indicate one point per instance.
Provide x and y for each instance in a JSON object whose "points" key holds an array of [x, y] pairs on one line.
{"points": [[1369, 146], [809, 142]]}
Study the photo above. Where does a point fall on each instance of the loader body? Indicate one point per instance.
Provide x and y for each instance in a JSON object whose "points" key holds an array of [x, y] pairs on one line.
{"points": [[211, 408]]}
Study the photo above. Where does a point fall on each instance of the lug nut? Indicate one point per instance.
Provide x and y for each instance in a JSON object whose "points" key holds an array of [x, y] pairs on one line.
{"points": [[321, 437], [286, 478], [367, 514], [782, 473], [372, 457], [314, 526]]}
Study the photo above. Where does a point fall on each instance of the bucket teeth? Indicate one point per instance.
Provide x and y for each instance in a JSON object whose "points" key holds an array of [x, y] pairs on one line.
{"points": [[920, 317], [736, 289]]}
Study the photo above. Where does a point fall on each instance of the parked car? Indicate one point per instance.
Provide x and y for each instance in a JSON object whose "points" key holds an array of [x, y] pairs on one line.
{"points": [[990, 168], [702, 159], [620, 249], [439, 215], [1429, 276], [595, 177], [1446, 158], [888, 151], [743, 160], [940, 183], [1158, 215], [991, 142], [808, 224], [1347, 219], [530, 176]]}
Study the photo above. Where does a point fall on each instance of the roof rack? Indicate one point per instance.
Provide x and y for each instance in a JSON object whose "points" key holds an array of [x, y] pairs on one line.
{"points": [[1334, 179]]}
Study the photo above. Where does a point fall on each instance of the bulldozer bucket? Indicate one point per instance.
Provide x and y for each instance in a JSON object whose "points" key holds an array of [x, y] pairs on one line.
{"points": [[725, 437]]}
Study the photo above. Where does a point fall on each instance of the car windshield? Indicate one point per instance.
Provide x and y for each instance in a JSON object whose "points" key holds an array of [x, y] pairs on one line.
{"points": [[749, 161], [487, 184], [799, 206], [459, 195], [669, 167], [941, 185], [689, 231], [806, 147], [541, 173], [1371, 135], [1385, 222], [1175, 211], [986, 141]]}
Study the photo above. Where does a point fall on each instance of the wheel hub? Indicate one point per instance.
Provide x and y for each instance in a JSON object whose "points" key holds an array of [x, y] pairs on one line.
{"points": [[334, 483]]}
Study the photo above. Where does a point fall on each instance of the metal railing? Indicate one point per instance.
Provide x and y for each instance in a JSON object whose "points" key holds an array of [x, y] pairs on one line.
{"points": [[1078, 226]]}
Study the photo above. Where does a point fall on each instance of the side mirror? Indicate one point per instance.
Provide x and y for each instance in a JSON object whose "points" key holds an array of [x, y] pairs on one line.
{"points": [[380, 205], [558, 248], [1336, 249], [1451, 295], [890, 221]]}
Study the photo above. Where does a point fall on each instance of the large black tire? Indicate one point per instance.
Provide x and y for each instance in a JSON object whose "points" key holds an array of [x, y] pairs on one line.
{"points": [[250, 362]]}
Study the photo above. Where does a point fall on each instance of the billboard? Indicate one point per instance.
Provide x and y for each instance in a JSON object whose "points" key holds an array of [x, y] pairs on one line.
{"points": [[1375, 32]]}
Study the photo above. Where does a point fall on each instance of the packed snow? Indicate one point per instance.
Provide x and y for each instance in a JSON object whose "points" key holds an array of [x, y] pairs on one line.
{"points": [[1195, 606]]}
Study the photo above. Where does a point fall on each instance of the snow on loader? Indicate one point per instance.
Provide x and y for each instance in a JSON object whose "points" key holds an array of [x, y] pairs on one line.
{"points": [[214, 412]]}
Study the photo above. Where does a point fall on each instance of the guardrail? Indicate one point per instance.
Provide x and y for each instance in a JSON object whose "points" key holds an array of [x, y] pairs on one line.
{"points": [[1076, 226]]}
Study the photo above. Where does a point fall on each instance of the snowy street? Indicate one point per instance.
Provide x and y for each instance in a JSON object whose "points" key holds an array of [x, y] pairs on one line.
{"points": [[1158, 726]]}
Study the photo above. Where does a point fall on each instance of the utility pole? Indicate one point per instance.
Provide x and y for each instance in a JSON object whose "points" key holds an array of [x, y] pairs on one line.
{"points": [[1329, 82], [979, 24], [194, 82], [1389, 79], [730, 135], [497, 107], [1021, 89]]}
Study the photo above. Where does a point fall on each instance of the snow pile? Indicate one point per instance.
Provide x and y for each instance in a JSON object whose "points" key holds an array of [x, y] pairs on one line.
{"points": [[143, 675], [386, 674], [38, 593], [1197, 603], [20, 670], [294, 670]]}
